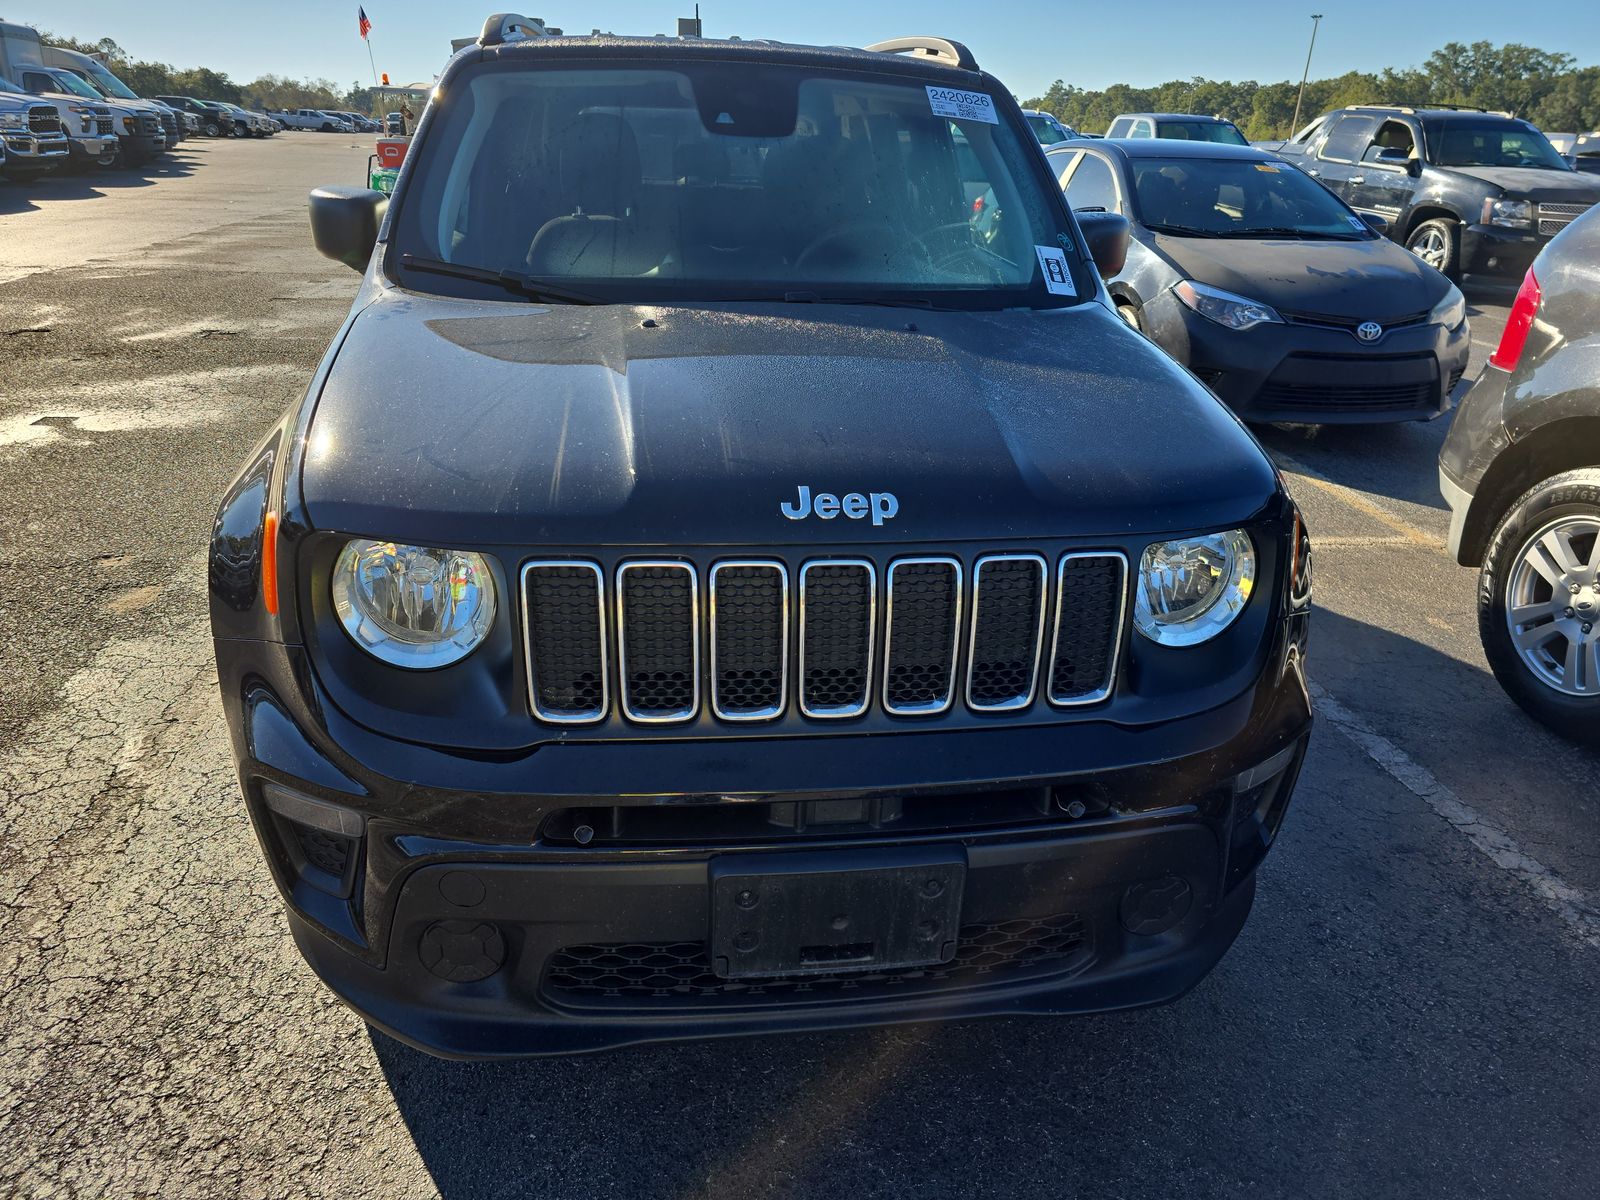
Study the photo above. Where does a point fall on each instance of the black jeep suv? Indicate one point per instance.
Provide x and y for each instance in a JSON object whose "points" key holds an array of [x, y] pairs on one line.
{"points": [[1468, 191], [713, 586]]}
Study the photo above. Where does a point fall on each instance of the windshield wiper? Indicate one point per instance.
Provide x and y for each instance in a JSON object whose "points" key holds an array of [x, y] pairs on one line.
{"points": [[512, 281], [1286, 231], [886, 301], [1179, 230]]}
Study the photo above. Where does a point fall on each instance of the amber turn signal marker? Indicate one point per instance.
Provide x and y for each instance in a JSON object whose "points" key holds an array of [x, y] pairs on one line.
{"points": [[269, 562]]}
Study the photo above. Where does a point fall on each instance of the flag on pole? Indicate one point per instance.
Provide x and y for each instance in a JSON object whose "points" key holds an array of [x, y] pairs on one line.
{"points": [[361, 19]]}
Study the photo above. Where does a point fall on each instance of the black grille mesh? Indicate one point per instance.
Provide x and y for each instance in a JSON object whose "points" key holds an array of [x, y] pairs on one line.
{"points": [[838, 636], [749, 632], [658, 640], [1005, 631], [564, 641], [1090, 608], [919, 661], [679, 973], [44, 119], [1328, 396], [328, 852]]}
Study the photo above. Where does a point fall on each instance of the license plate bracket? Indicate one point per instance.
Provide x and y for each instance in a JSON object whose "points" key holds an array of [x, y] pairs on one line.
{"points": [[826, 912]]}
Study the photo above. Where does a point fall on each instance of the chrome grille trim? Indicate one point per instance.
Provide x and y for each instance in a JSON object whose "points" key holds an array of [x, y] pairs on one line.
{"points": [[770, 713], [1038, 634], [840, 711], [585, 717], [1116, 640], [668, 716], [932, 708]]}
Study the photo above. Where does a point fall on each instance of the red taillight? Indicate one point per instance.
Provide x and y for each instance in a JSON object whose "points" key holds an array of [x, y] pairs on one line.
{"points": [[1523, 309]]}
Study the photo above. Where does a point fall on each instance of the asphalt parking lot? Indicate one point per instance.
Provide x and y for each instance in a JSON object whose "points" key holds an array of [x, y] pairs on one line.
{"points": [[1409, 1010]]}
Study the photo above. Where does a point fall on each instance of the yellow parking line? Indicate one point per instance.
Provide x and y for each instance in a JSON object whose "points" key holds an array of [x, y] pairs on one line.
{"points": [[1357, 501]]}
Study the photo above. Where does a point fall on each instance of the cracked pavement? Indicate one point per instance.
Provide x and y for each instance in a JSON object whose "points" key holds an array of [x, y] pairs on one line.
{"points": [[1407, 1012]]}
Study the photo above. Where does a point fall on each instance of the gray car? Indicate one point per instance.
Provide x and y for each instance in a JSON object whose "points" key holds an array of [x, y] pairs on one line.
{"points": [[1521, 473], [1282, 300]]}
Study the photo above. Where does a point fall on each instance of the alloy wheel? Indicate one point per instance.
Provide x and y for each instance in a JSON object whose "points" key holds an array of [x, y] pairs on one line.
{"points": [[1553, 605], [1431, 248]]}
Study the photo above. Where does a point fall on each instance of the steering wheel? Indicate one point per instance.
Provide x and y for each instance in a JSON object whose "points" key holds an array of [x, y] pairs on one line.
{"points": [[870, 234], [951, 231]]}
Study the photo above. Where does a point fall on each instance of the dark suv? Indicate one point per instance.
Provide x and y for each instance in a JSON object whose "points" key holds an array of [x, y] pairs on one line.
{"points": [[1467, 191], [713, 587]]}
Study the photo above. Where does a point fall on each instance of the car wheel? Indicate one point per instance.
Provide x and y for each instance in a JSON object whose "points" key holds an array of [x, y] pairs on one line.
{"points": [[1539, 604], [213, 129], [1438, 243], [1129, 312]]}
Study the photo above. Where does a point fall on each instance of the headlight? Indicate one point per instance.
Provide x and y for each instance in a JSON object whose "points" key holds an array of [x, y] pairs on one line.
{"points": [[1192, 589], [1508, 212], [1236, 312], [13, 120], [1450, 311], [413, 606]]}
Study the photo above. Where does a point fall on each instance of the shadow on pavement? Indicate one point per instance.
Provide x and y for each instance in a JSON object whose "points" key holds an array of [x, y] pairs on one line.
{"points": [[20, 195]]}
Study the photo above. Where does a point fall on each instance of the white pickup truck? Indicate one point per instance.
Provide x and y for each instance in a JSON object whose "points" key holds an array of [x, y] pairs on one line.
{"points": [[314, 118]]}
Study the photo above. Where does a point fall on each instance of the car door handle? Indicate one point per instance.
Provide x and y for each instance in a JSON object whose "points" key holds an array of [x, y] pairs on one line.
{"points": [[1358, 179]]}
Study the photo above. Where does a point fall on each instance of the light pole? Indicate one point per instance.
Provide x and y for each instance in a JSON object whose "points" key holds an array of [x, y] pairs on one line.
{"points": [[1294, 126]]}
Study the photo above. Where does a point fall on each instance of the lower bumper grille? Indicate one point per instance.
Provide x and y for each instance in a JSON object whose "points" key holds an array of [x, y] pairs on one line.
{"points": [[1331, 396], [679, 975], [939, 636]]}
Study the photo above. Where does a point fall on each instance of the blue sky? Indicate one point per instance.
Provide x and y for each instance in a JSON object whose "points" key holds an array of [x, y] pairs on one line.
{"points": [[1027, 44]]}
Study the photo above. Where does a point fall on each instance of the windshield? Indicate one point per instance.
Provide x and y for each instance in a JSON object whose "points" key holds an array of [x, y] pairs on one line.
{"points": [[1491, 144], [1207, 197], [1201, 131], [1047, 131], [727, 180], [66, 81], [109, 83], [7, 86]]}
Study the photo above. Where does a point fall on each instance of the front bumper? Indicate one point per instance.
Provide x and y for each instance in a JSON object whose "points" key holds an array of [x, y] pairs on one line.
{"points": [[93, 150], [469, 914], [1499, 251], [31, 152], [1315, 374]]}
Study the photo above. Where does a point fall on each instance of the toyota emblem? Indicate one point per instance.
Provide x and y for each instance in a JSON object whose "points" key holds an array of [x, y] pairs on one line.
{"points": [[1369, 331]]}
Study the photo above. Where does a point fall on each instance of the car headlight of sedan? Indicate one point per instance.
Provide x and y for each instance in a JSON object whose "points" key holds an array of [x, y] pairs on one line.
{"points": [[413, 606], [1451, 309], [1191, 589], [1508, 212], [1236, 312]]}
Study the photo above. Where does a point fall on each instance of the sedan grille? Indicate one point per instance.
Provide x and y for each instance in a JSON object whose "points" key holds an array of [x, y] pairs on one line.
{"points": [[1019, 630]]}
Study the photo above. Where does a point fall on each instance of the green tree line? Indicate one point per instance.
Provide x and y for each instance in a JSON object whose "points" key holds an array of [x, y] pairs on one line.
{"points": [[1547, 88], [269, 91]]}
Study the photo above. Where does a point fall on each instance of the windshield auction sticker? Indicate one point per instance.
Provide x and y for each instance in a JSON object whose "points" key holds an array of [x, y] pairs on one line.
{"points": [[962, 106], [1057, 275]]}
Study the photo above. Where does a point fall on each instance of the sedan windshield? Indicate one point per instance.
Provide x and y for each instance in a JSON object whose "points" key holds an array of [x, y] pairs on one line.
{"points": [[1201, 131], [1491, 144], [719, 180], [1238, 197]]}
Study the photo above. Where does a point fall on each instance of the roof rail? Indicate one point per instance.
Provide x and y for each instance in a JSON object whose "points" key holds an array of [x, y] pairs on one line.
{"points": [[942, 50], [510, 27], [1414, 108]]}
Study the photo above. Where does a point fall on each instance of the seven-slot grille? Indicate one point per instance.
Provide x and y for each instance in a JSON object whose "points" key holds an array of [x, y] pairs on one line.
{"points": [[1553, 218], [1020, 627]]}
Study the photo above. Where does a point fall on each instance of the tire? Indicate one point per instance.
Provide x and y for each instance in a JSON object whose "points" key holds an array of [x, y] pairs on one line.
{"points": [[1438, 243], [1129, 312], [1554, 674], [213, 129]]}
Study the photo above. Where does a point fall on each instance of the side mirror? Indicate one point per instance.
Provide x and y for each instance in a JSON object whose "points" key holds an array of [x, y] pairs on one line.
{"points": [[1375, 222], [344, 223], [1105, 235]]}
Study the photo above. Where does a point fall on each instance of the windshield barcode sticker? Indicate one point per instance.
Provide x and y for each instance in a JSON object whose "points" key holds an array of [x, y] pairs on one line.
{"points": [[1057, 275], [962, 106]]}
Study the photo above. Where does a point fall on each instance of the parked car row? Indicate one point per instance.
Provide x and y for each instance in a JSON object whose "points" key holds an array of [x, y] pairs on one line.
{"points": [[325, 120]]}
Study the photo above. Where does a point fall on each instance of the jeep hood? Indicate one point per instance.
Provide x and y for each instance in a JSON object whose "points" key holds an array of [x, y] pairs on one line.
{"points": [[458, 422], [1368, 280]]}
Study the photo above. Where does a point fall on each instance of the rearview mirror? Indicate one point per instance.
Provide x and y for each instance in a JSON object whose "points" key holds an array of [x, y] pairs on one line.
{"points": [[344, 223], [1375, 222], [1105, 236]]}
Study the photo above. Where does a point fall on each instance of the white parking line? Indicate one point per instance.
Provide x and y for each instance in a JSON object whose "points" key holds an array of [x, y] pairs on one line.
{"points": [[1577, 909]]}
